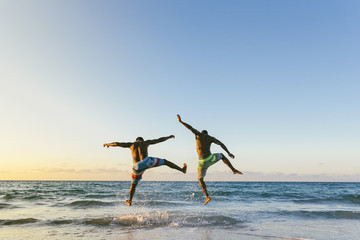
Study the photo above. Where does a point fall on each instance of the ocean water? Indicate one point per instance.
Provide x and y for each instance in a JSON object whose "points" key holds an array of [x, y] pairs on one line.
{"points": [[175, 210]]}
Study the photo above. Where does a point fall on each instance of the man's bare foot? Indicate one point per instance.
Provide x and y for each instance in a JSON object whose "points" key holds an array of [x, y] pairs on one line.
{"points": [[184, 168], [128, 202], [207, 200], [237, 172]]}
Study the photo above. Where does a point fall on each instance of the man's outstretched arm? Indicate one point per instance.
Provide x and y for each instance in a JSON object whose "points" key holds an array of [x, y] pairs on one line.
{"points": [[223, 147], [118, 144], [159, 140], [188, 126]]}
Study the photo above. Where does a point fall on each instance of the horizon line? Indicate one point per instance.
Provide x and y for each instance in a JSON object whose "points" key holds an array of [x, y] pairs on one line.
{"points": [[249, 181]]}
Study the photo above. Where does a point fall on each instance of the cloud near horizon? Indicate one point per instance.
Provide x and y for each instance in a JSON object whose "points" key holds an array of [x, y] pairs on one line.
{"points": [[72, 170], [253, 176], [115, 174]]}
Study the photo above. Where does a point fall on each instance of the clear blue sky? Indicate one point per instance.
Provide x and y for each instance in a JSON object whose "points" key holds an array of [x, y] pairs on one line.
{"points": [[276, 81]]}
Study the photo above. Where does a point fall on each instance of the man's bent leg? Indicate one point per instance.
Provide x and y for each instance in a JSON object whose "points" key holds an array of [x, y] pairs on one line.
{"points": [[203, 187], [131, 193], [228, 163], [174, 166]]}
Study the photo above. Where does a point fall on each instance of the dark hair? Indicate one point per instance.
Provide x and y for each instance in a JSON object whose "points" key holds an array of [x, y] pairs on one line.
{"points": [[204, 132], [139, 139]]}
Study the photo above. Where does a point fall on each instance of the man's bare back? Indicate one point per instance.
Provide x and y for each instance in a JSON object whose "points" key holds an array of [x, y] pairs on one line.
{"points": [[139, 151], [203, 143]]}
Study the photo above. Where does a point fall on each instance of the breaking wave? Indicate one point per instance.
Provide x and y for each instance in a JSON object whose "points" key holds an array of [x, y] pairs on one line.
{"points": [[155, 219]]}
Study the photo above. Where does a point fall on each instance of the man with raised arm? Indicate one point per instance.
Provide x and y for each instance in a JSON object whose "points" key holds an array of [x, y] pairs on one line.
{"points": [[142, 161], [206, 159]]}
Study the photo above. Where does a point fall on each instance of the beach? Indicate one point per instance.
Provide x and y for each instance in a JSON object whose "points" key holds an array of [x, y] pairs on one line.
{"points": [[165, 210]]}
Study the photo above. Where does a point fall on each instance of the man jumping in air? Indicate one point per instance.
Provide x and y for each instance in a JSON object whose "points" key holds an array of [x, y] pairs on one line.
{"points": [[206, 159], [141, 161]]}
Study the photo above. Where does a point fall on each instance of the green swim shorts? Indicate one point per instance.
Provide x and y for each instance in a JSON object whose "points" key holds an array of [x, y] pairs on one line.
{"points": [[204, 164]]}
